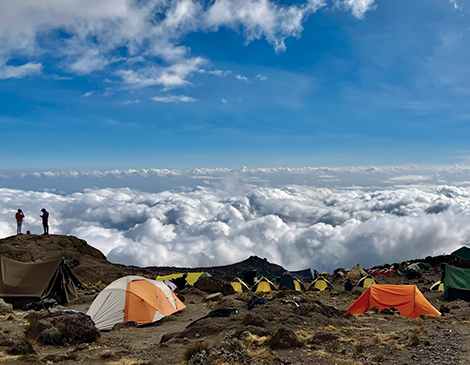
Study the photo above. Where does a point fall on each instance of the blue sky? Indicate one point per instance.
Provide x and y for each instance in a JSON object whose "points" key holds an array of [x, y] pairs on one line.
{"points": [[182, 84]]}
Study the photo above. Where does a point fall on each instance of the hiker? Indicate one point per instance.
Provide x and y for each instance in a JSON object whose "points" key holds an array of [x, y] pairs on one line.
{"points": [[348, 285], [19, 221], [45, 220], [180, 282]]}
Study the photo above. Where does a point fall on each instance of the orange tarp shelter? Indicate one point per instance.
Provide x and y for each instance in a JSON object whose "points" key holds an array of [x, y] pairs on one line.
{"points": [[406, 298]]}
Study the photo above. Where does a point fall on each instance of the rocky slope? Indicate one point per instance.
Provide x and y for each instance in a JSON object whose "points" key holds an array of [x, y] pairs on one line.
{"points": [[88, 263]]}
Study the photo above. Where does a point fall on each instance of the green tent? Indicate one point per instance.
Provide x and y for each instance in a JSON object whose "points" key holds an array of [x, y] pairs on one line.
{"points": [[463, 253], [456, 283]]}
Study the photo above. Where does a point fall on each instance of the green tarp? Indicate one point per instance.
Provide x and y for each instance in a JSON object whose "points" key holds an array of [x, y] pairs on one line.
{"points": [[456, 283]]}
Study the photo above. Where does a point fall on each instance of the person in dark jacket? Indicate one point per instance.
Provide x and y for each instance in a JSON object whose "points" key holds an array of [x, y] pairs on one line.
{"points": [[180, 282], [348, 286], [45, 220]]}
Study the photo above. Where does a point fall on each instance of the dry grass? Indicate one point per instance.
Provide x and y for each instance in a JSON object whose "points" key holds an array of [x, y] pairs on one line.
{"points": [[261, 354], [329, 328], [5, 357], [305, 334], [251, 340], [196, 348], [347, 362], [125, 361], [417, 321]]}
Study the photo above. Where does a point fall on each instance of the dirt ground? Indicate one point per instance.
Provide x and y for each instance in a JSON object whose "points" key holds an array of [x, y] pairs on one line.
{"points": [[324, 333]]}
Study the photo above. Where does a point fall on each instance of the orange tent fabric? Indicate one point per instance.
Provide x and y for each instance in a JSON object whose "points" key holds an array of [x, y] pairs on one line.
{"points": [[406, 298]]}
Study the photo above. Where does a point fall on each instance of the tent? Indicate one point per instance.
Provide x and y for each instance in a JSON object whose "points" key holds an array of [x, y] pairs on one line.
{"points": [[303, 274], [22, 283], [366, 282], [320, 284], [456, 283], [263, 284], [288, 281], [406, 298], [191, 278], [356, 273], [463, 253], [133, 298], [239, 285], [437, 286]]}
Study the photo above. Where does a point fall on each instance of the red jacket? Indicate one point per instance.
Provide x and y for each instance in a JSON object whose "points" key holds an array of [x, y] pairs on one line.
{"points": [[19, 217]]}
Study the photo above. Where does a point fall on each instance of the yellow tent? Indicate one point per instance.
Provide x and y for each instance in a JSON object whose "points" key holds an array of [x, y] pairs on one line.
{"points": [[356, 273], [263, 285], [366, 282], [191, 278], [437, 286], [239, 285], [320, 284]]}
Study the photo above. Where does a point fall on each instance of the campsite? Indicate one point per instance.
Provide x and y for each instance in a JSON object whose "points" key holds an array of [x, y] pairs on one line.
{"points": [[219, 323]]}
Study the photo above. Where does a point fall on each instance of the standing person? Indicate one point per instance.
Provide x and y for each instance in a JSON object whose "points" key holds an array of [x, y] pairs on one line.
{"points": [[19, 221], [45, 220]]}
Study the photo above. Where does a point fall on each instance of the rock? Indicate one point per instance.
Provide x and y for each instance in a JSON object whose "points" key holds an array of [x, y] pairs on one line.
{"points": [[74, 328], [215, 297], [168, 336], [374, 309], [128, 324], [193, 290], [444, 309], [23, 349], [325, 336], [254, 320], [212, 285], [51, 336], [5, 308], [387, 311], [456, 306], [284, 339]]}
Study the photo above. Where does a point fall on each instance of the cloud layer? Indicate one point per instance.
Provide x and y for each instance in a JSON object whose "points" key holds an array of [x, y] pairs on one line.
{"points": [[295, 225]]}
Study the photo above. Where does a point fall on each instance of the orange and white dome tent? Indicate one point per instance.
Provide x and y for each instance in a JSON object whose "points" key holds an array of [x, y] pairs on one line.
{"points": [[133, 298]]}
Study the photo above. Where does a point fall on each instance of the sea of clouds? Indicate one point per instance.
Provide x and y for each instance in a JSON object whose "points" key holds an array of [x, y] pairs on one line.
{"points": [[320, 218]]}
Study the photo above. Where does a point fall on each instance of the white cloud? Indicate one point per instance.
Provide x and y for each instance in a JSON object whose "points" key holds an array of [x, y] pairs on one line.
{"points": [[173, 99], [136, 101], [96, 31], [18, 72], [242, 78], [224, 101], [261, 78], [170, 77], [295, 225], [89, 93], [359, 7]]}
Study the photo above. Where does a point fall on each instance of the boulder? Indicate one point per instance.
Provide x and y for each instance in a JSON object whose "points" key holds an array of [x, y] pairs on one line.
{"points": [[325, 336], [51, 336], [74, 328], [284, 338], [5, 308], [212, 285], [254, 320]]}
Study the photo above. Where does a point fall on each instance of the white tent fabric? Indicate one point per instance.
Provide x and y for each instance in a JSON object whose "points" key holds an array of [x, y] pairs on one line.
{"points": [[108, 308]]}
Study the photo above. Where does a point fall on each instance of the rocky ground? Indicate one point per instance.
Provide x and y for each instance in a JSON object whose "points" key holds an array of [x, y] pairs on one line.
{"points": [[292, 328]]}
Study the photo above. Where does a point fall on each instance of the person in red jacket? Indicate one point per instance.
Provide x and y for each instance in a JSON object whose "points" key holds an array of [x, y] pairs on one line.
{"points": [[19, 221]]}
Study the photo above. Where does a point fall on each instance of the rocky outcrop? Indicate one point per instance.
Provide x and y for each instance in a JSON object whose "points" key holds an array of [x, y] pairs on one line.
{"points": [[87, 263]]}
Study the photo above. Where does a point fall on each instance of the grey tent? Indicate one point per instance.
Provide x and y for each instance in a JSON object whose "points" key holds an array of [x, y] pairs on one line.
{"points": [[26, 282], [463, 253], [303, 274]]}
